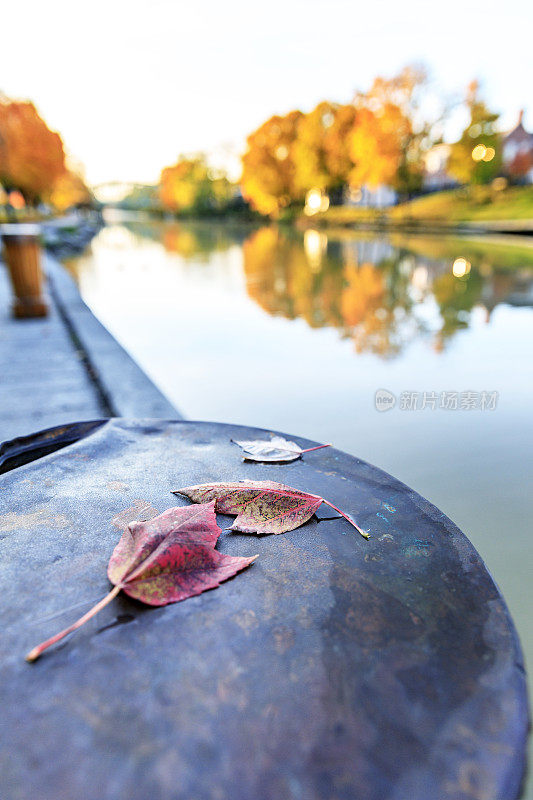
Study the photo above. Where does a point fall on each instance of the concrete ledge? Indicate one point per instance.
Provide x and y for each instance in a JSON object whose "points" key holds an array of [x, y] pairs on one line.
{"points": [[127, 390]]}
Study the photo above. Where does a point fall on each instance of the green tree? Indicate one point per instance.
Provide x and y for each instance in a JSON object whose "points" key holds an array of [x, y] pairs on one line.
{"points": [[476, 158]]}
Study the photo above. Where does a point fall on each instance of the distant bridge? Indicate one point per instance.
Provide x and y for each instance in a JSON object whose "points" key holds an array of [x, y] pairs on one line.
{"points": [[114, 191]]}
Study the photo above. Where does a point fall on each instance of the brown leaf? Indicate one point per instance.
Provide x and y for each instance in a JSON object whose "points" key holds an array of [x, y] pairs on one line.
{"points": [[167, 559], [261, 506], [275, 449]]}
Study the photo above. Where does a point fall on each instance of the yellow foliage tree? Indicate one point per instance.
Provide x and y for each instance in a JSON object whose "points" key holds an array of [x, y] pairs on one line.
{"points": [[69, 190], [378, 139], [268, 180], [309, 153], [337, 144], [191, 185], [179, 184], [376, 146], [321, 151]]}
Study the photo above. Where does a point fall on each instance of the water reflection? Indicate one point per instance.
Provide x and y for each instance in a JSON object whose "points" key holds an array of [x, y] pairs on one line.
{"points": [[382, 293], [331, 284], [189, 240], [379, 294]]}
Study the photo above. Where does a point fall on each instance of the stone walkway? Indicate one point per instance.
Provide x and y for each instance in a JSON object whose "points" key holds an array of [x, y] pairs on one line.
{"points": [[43, 377]]}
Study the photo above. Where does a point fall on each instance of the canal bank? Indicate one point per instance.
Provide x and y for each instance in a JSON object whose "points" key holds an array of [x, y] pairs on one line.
{"points": [[475, 210], [67, 366]]}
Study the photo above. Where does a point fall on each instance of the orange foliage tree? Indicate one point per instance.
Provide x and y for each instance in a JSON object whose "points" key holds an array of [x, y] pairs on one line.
{"points": [[288, 156], [390, 135], [269, 180], [32, 159], [380, 138]]}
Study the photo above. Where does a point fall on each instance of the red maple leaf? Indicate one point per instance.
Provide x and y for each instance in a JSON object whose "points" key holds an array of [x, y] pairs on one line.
{"points": [[167, 559]]}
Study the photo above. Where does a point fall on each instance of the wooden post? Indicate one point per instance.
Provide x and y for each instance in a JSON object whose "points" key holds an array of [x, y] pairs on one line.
{"points": [[22, 253]]}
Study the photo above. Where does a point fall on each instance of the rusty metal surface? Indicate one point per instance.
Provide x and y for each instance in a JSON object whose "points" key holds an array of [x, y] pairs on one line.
{"points": [[332, 669]]}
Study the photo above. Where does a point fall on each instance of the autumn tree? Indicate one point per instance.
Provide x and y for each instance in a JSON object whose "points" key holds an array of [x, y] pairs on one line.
{"points": [[70, 190], [337, 144], [268, 180], [192, 185], [375, 147], [390, 133], [31, 155], [476, 157], [380, 138], [308, 151], [321, 151]]}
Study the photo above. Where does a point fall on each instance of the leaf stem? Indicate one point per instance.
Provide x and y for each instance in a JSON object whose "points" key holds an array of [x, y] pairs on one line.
{"points": [[350, 520], [318, 447], [34, 654]]}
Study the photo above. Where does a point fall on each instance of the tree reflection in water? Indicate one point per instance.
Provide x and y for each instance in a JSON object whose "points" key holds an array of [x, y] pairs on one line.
{"points": [[380, 294], [382, 291]]}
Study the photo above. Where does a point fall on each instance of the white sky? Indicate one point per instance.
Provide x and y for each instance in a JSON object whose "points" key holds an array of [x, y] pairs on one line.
{"points": [[131, 84]]}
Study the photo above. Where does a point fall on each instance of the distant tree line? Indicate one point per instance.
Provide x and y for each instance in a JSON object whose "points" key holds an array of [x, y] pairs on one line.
{"points": [[193, 186], [381, 138]]}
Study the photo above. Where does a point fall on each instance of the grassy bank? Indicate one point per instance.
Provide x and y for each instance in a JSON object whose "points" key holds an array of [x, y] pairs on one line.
{"points": [[480, 204]]}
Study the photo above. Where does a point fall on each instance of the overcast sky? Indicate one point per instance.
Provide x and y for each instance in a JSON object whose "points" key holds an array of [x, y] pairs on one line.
{"points": [[130, 85]]}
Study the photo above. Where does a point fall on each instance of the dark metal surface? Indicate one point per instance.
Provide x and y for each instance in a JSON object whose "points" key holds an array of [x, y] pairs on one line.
{"points": [[16, 452], [333, 668]]}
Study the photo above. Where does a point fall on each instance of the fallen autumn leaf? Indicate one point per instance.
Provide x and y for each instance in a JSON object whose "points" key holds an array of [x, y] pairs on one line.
{"points": [[261, 506], [164, 560], [275, 449]]}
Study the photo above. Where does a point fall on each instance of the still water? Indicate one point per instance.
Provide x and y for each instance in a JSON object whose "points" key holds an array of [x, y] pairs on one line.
{"points": [[298, 331]]}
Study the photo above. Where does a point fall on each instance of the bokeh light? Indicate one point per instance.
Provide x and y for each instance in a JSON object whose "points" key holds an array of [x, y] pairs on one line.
{"points": [[461, 267], [316, 201], [479, 151]]}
